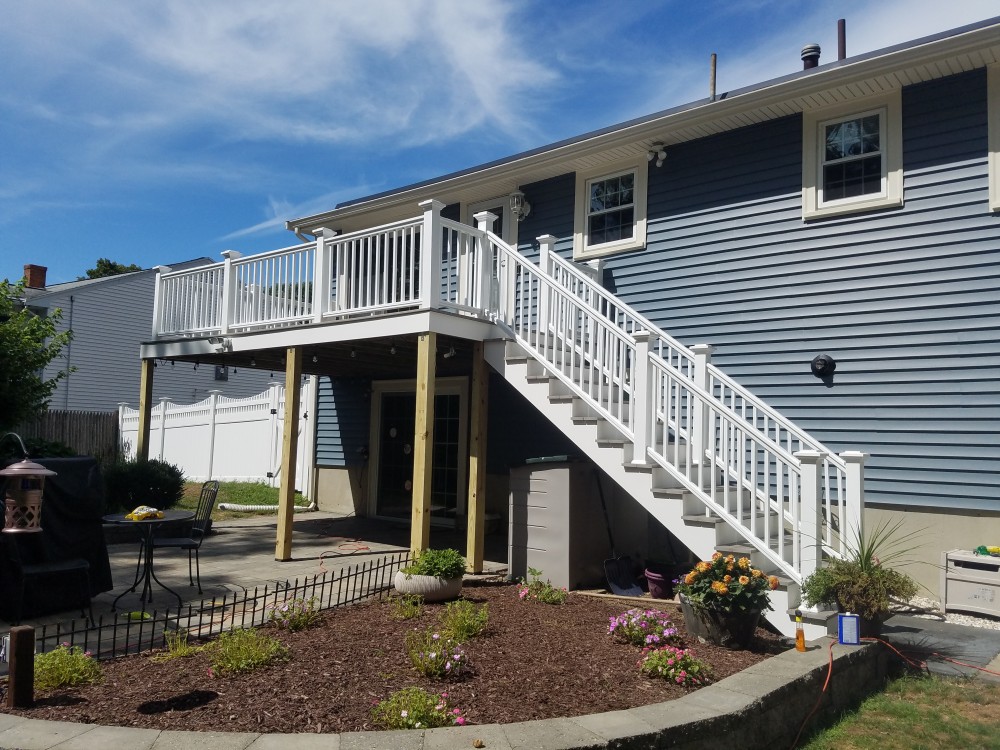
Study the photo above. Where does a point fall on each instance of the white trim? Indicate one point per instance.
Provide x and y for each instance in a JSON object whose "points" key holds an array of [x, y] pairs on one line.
{"points": [[638, 239], [452, 386], [993, 117], [469, 210], [890, 109]]}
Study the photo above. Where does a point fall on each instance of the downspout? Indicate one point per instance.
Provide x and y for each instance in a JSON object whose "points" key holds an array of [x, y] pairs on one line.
{"points": [[69, 356]]}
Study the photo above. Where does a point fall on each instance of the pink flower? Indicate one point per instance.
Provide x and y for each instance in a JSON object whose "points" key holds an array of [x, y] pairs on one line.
{"points": [[460, 720]]}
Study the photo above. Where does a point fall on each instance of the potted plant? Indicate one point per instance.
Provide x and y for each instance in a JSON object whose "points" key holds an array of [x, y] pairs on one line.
{"points": [[434, 574], [863, 582], [722, 600]]}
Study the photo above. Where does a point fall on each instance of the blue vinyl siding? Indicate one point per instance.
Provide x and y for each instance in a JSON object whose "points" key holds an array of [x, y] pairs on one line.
{"points": [[343, 413], [906, 300]]}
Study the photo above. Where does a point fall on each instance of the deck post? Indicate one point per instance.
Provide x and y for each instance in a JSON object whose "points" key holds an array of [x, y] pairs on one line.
{"points": [[852, 516], [145, 409], [700, 440], [430, 255], [476, 510], [484, 299], [810, 526], [322, 274], [158, 300], [228, 290], [641, 400], [546, 247], [289, 446], [423, 443]]}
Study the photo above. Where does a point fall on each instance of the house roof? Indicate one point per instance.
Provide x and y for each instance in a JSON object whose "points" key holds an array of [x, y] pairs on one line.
{"points": [[39, 295], [947, 53]]}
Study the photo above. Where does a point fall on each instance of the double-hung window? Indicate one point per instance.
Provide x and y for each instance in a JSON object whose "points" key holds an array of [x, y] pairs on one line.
{"points": [[610, 211], [852, 158]]}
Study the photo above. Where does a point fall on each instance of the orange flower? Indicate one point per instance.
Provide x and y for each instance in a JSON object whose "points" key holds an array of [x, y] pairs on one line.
{"points": [[730, 559], [703, 567], [744, 580], [756, 573], [727, 579], [719, 587], [744, 563], [772, 581], [730, 567], [716, 555], [690, 578]]}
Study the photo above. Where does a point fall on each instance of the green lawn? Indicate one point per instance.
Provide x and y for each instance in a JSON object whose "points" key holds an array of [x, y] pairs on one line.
{"points": [[240, 493], [920, 713]]}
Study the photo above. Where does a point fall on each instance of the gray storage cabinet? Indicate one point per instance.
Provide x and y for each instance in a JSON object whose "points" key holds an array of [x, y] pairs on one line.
{"points": [[556, 524]]}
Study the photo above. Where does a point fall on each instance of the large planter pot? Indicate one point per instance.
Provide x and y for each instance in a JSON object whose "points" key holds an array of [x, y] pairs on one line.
{"points": [[431, 588], [731, 629], [660, 584]]}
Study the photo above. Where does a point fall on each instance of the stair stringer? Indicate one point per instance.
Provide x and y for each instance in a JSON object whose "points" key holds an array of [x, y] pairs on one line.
{"points": [[614, 457]]}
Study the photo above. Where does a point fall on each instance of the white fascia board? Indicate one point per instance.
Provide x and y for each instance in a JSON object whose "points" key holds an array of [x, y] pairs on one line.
{"points": [[785, 90]]}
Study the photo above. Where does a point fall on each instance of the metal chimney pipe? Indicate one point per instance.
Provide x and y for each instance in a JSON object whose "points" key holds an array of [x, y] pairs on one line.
{"points": [[711, 79], [841, 39], [810, 56]]}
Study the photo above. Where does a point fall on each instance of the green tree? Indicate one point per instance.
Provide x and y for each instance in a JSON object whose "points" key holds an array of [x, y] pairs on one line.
{"points": [[28, 342], [107, 267]]}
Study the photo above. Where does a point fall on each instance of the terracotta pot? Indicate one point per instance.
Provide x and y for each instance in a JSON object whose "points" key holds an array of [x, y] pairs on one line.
{"points": [[728, 628], [431, 588]]}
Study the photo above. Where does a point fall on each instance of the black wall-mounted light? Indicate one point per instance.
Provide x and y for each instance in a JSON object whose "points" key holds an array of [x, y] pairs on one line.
{"points": [[823, 365]]}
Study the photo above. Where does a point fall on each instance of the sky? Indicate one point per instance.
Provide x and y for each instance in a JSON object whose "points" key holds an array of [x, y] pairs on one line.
{"points": [[157, 132]]}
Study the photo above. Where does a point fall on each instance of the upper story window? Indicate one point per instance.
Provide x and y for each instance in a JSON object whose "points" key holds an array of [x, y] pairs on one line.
{"points": [[852, 158], [610, 211]]}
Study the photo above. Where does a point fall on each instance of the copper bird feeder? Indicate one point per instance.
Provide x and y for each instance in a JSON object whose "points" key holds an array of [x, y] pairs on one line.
{"points": [[25, 481]]}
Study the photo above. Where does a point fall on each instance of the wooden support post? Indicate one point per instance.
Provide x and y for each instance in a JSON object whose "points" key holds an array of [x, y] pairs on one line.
{"points": [[21, 656], [423, 443], [477, 462], [289, 446], [145, 409]]}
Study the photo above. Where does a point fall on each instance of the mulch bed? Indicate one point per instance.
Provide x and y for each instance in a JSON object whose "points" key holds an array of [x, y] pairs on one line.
{"points": [[535, 661]]}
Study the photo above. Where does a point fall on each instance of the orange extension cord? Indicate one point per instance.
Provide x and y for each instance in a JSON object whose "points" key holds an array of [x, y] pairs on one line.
{"points": [[921, 665]]}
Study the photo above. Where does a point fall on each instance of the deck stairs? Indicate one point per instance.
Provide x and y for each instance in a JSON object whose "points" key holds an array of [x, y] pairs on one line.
{"points": [[707, 465]]}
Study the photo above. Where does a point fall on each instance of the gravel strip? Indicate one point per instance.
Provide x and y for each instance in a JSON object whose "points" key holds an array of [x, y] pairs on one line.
{"points": [[930, 609]]}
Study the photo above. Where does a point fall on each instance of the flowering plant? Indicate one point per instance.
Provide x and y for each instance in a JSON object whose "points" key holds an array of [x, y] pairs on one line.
{"points": [[65, 666], [728, 584], [436, 656], [677, 665], [541, 591], [414, 708], [639, 627], [295, 614]]}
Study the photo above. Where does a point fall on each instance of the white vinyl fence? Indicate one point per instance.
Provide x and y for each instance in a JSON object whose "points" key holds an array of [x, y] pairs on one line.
{"points": [[229, 439]]}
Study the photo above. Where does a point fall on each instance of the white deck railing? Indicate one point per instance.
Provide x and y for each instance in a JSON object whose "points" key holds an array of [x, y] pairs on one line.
{"points": [[782, 491]]}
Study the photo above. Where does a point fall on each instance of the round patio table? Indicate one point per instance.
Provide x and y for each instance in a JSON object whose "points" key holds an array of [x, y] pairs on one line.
{"points": [[147, 575]]}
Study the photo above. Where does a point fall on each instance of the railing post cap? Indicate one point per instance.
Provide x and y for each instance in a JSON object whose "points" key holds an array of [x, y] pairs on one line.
{"points": [[231, 254], [641, 335], [163, 269], [854, 457], [810, 456], [123, 403], [164, 398], [485, 216], [214, 391], [703, 348], [431, 204], [325, 232], [546, 239]]}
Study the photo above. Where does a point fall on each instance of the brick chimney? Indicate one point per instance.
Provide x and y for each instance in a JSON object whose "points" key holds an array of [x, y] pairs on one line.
{"points": [[34, 276]]}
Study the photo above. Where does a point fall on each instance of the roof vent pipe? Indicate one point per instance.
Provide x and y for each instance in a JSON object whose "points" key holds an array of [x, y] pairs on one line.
{"points": [[810, 56], [841, 39]]}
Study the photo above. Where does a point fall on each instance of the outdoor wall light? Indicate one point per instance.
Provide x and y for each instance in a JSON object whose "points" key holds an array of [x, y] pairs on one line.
{"points": [[518, 205], [657, 151], [823, 365], [450, 353]]}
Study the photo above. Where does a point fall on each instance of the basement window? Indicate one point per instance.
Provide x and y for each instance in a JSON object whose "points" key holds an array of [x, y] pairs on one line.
{"points": [[852, 159], [610, 211]]}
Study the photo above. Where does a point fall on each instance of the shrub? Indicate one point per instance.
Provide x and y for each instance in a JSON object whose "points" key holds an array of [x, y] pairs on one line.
{"points": [[436, 656], [415, 708], [176, 642], [295, 615], [676, 665], [463, 620], [442, 563], [37, 448], [155, 483], [539, 590], [244, 651], [648, 627], [65, 666], [407, 606]]}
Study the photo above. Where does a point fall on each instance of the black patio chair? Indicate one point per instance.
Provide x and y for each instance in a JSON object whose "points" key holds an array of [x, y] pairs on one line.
{"points": [[199, 530], [41, 567]]}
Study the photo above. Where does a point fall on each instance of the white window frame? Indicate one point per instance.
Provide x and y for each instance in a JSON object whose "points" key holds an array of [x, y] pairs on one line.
{"points": [[581, 250], [890, 110], [993, 119]]}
